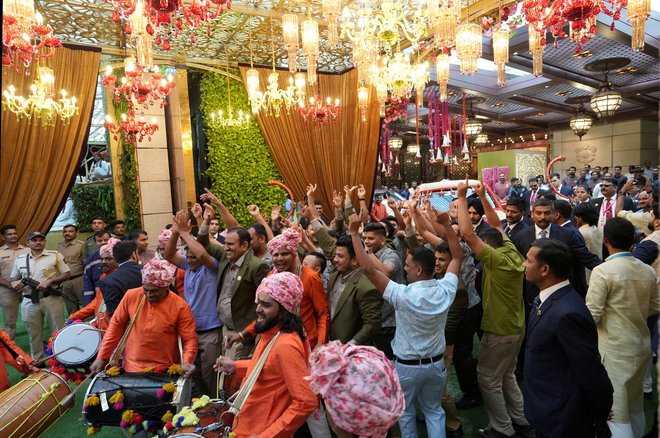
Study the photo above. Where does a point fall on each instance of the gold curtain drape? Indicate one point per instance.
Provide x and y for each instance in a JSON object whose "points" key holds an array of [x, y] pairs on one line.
{"points": [[344, 153], [37, 163]]}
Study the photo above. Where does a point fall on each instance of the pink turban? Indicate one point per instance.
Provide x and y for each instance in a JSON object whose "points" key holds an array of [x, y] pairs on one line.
{"points": [[158, 272], [164, 236], [106, 250], [359, 385], [285, 288], [289, 240]]}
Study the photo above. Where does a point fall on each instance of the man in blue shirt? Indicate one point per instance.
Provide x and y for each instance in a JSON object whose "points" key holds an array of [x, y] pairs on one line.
{"points": [[199, 291], [421, 313], [92, 272]]}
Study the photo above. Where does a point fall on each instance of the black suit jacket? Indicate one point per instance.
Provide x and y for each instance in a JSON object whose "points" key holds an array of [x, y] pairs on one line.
{"points": [[628, 203], [581, 257], [517, 229], [567, 391], [114, 286], [528, 204]]}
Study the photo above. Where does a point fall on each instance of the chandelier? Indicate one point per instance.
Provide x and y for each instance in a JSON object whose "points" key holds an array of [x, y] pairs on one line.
{"points": [[481, 139], [607, 100], [331, 10], [290, 37], [444, 21], [252, 83], [442, 73], [141, 86], [638, 12], [580, 15], [398, 76], [468, 47], [536, 46], [319, 112], [25, 37], [501, 53], [364, 57], [135, 129], [363, 102], [230, 120], [310, 46], [395, 143], [472, 127], [41, 103], [167, 17], [390, 23], [581, 122]]}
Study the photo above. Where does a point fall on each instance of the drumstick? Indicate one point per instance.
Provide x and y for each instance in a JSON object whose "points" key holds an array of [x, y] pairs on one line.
{"points": [[73, 347], [66, 399]]}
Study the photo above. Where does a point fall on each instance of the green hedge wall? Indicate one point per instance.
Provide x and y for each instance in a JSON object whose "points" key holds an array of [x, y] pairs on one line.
{"points": [[240, 164], [91, 200]]}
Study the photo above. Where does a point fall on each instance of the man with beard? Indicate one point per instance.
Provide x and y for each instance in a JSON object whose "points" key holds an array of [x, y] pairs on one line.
{"points": [[141, 239], [281, 399], [10, 298], [648, 249], [71, 250], [514, 222], [642, 216]]}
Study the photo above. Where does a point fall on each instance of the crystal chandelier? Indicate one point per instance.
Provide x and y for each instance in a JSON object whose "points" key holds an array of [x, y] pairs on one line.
{"points": [[25, 38], [310, 46], [135, 129], [140, 86], [167, 17], [364, 57], [444, 21], [331, 10], [607, 100], [472, 127], [536, 46], [501, 53], [290, 37], [481, 139], [319, 112], [252, 83], [398, 76], [41, 103], [229, 120], [442, 69], [581, 122], [363, 102], [638, 12], [390, 22], [468, 47], [419, 77]]}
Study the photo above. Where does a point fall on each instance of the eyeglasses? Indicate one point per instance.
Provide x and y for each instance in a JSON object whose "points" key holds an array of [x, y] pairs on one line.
{"points": [[606, 185]]}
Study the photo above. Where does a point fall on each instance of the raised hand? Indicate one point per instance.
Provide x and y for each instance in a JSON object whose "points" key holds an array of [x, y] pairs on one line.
{"points": [[391, 203], [180, 223], [197, 212], [275, 212], [461, 192], [361, 191], [354, 223], [442, 218], [407, 218], [480, 189], [209, 196], [208, 213], [254, 210], [348, 191], [337, 199], [311, 189]]}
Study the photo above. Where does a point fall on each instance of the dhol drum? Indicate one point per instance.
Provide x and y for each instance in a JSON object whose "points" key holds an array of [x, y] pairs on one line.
{"points": [[140, 395], [214, 422], [76, 345], [31, 406]]}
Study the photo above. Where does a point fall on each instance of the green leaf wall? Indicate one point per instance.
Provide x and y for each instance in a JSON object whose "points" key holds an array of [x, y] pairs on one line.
{"points": [[239, 161]]}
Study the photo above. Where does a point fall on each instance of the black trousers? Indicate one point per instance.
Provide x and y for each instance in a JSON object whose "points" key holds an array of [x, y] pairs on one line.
{"points": [[464, 363]]}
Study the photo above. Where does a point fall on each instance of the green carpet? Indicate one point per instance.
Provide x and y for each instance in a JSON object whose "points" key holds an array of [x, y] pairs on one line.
{"points": [[71, 425]]}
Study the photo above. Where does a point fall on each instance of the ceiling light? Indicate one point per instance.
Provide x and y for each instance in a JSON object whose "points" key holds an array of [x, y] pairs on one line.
{"points": [[607, 100], [395, 143]]}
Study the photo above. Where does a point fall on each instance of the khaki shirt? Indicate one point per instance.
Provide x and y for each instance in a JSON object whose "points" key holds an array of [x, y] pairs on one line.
{"points": [[73, 256], [48, 265], [7, 258]]}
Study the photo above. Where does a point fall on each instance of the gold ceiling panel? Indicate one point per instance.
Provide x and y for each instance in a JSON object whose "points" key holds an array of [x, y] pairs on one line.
{"points": [[89, 22]]}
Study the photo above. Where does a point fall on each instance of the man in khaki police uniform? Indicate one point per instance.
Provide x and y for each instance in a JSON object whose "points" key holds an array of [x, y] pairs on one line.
{"points": [[71, 249], [97, 224], [10, 298], [49, 269]]}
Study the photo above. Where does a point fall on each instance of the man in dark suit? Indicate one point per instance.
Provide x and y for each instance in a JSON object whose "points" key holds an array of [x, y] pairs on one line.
{"points": [[564, 214], [128, 275], [567, 390], [531, 195], [239, 274], [606, 204], [476, 212], [515, 212], [355, 304], [555, 180], [543, 214]]}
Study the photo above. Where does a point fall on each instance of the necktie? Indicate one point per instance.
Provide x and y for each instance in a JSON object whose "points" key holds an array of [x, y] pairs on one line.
{"points": [[532, 198], [507, 230], [543, 234], [537, 305], [608, 209]]}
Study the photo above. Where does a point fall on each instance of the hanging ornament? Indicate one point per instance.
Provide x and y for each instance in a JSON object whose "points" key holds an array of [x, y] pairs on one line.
{"points": [[439, 158], [396, 160]]}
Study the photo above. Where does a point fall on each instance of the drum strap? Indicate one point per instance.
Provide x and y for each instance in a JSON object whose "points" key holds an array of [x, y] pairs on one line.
{"points": [[122, 342], [245, 391]]}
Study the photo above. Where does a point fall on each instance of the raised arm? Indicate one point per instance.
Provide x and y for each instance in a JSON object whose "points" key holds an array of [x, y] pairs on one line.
{"points": [[338, 203], [275, 218], [170, 253], [621, 198], [377, 277], [215, 250], [453, 243], [229, 220], [181, 227], [491, 215], [424, 227], [362, 197], [258, 218], [464, 224]]}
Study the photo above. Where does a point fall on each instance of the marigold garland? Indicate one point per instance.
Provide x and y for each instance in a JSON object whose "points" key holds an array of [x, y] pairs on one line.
{"points": [[92, 430], [113, 371], [117, 400], [175, 369]]}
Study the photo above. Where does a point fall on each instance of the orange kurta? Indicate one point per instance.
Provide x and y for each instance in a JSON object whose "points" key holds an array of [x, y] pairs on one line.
{"points": [[314, 308], [94, 309], [6, 358], [281, 399], [153, 340]]}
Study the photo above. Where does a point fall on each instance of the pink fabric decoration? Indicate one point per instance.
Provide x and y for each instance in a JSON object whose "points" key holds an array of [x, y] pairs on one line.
{"points": [[360, 387], [158, 272], [289, 240], [285, 288], [164, 236], [106, 250]]}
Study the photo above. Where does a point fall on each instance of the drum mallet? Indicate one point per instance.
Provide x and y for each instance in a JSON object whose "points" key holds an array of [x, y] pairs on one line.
{"points": [[56, 354]]}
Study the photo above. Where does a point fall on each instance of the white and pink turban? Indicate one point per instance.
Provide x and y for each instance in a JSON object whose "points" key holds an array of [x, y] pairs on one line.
{"points": [[106, 250], [289, 240], [360, 387], [165, 236], [285, 288], [158, 272]]}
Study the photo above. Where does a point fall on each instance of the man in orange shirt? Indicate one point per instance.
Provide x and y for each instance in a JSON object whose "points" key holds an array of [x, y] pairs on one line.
{"points": [[378, 211], [11, 354], [160, 318], [97, 305], [314, 308], [281, 399]]}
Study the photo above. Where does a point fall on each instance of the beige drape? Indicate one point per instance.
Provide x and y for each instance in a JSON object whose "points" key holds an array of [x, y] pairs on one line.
{"points": [[37, 163], [344, 153]]}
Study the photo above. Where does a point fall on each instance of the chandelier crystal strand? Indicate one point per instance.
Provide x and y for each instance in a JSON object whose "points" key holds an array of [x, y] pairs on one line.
{"points": [[468, 47], [290, 36], [442, 69], [363, 102], [420, 76], [310, 43], [638, 12], [331, 10], [536, 46], [501, 53], [444, 22], [252, 82]]}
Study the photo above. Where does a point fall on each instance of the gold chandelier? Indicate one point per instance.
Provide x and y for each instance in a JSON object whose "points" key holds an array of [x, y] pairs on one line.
{"points": [[290, 37], [501, 53], [331, 10], [442, 69], [638, 12], [41, 102], [310, 46], [398, 76], [444, 21], [468, 47], [229, 120], [536, 47]]}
